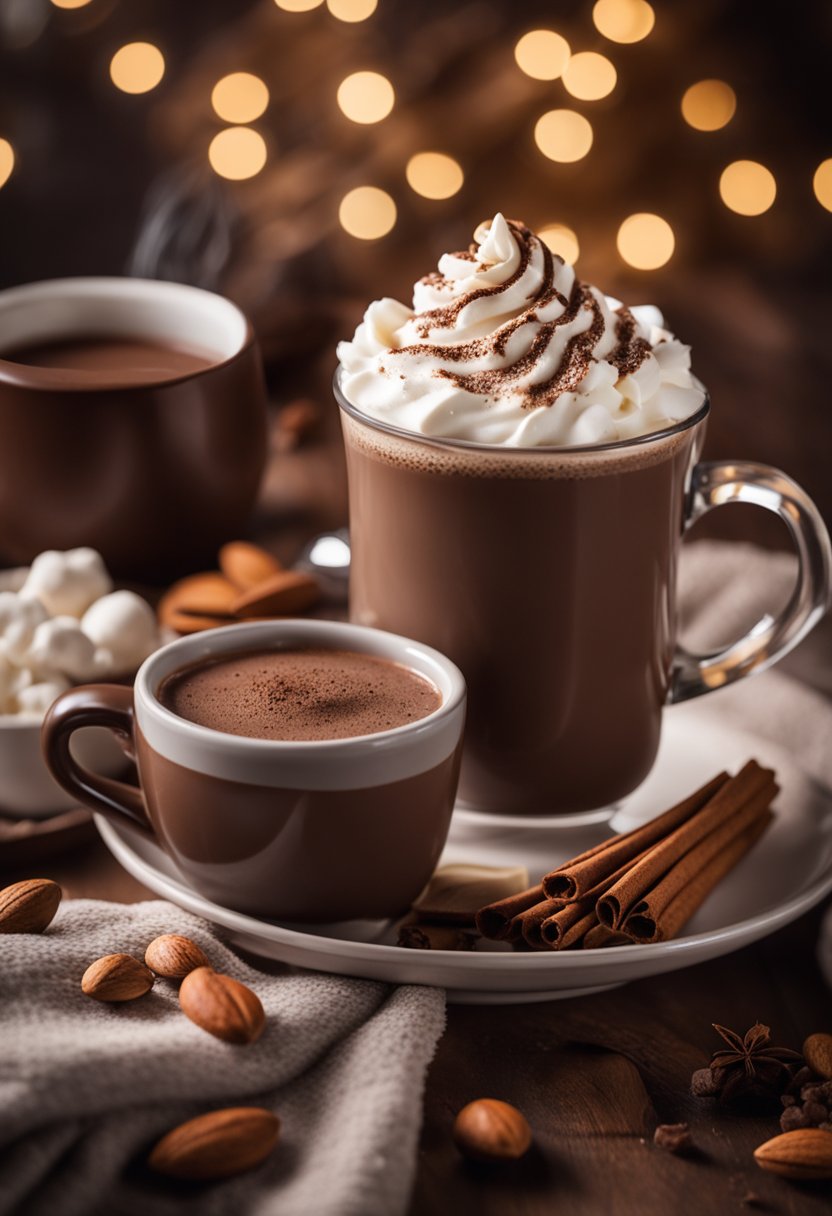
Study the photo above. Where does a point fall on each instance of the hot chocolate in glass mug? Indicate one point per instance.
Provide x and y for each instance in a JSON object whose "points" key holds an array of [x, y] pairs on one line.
{"points": [[523, 462]]}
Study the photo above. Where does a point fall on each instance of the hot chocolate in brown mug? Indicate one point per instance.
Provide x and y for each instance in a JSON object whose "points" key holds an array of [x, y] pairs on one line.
{"points": [[319, 830], [523, 458]]}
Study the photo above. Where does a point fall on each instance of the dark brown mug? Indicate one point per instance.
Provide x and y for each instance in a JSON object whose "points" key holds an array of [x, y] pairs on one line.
{"points": [[154, 470], [322, 831]]}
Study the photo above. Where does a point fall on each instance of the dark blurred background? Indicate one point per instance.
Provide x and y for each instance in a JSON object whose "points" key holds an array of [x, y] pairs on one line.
{"points": [[131, 160]]}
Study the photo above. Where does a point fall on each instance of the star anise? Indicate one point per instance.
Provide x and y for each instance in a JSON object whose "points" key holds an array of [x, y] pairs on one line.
{"points": [[751, 1066]]}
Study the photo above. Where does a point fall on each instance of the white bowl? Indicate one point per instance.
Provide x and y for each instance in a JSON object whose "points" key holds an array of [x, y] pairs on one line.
{"points": [[27, 790]]}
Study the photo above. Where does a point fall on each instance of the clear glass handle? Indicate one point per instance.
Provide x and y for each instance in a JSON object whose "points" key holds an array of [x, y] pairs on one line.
{"points": [[720, 482]]}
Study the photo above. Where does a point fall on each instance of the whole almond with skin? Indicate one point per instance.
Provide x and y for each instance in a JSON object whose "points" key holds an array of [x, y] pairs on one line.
{"points": [[174, 956], [217, 1145], [802, 1154], [817, 1052], [224, 1007], [282, 594], [245, 565], [490, 1130], [208, 594], [116, 977], [29, 906]]}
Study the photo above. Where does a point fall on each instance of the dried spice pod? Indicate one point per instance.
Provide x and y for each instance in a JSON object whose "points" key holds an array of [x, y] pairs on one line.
{"points": [[491, 1130], [29, 906], [222, 1006], [174, 956], [246, 565], [803, 1154], [117, 977], [217, 1145], [282, 594]]}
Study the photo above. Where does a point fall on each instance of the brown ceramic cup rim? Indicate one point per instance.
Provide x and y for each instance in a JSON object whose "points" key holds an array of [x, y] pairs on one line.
{"points": [[564, 451], [117, 307]]}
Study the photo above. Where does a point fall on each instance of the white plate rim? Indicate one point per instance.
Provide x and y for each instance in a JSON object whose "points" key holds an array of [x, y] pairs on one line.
{"points": [[474, 964]]}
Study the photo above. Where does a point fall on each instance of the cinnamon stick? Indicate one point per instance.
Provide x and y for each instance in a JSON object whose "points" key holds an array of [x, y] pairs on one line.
{"points": [[562, 929], [658, 918], [740, 800], [601, 936], [587, 871], [527, 924], [494, 920]]}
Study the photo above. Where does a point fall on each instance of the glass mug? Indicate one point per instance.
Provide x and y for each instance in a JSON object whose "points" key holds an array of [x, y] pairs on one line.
{"points": [[548, 575]]}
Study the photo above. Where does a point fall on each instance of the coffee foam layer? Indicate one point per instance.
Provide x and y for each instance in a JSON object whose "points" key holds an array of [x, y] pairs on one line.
{"points": [[297, 695], [417, 456]]}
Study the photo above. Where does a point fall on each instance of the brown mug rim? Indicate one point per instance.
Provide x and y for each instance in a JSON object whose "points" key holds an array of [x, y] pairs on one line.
{"points": [[55, 379], [562, 450]]}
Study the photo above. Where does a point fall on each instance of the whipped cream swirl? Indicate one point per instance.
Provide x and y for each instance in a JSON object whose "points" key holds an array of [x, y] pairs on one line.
{"points": [[504, 345]]}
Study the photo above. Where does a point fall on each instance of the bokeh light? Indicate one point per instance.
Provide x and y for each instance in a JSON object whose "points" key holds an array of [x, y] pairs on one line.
{"points": [[366, 97], [709, 105], [434, 174], [367, 213], [645, 241], [240, 97], [563, 135], [352, 10], [589, 76], [237, 153], [623, 20], [298, 6], [561, 240], [70, 3], [137, 67], [747, 187], [821, 184], [542, 54], [6, 161]]}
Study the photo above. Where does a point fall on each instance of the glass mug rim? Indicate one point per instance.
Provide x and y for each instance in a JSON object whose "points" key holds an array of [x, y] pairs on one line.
{"points": [[123, 291], [563, 451]]}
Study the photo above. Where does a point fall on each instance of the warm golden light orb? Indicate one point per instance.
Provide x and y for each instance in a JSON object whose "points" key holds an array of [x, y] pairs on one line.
{"points": [[6, 161], [352, 10], [367, 213], [542, 54], [822, 184], [563, 135], [137, 67], [589, 76], [434, 174], [709, 105], [645, 241], [623, 20], [561, 240], [747, 187], [366, 97], [240, 97], [237, 153]]}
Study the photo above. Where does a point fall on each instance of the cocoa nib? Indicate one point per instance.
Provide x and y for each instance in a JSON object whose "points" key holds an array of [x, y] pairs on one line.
{"points": [[807, 1103], [673, 1137]]}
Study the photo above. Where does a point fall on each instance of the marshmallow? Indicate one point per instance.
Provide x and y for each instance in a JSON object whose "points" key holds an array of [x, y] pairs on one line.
{"points": [[35, 699], [19, 618], [60, 645], [67, 583], [125, 625]]}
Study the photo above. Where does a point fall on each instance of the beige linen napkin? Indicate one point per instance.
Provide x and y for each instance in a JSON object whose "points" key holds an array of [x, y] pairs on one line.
{"points": [[86, 1088]]}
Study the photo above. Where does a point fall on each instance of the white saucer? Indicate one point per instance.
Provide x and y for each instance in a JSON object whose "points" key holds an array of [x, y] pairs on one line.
{"points": [[788, 872]]}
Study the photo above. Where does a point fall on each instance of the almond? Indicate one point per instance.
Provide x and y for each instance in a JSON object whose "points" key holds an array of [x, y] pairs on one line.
{"points": [[282, 594], [245, 565], [29, 906], [490, 1130], [222, 1006], [174, 956], [817, 1051], [217, 1145], [116, 977], [209, 594], [802, 1154]]}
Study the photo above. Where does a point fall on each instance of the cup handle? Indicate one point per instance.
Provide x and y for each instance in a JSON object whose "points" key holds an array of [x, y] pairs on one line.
{"points": [[714, 484], [109, 705]]}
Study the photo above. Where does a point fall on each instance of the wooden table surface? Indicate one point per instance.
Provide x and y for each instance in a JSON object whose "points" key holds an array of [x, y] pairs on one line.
{"points": [[594, 1075]]}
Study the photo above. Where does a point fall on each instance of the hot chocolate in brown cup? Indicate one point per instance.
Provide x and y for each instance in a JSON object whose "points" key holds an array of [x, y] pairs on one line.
{"points": [[316, 832], [132, 419], [548, 575]]}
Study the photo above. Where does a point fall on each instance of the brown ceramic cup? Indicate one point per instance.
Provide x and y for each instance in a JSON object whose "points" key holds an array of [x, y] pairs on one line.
{"points": [[325, 831], [155, 473]]}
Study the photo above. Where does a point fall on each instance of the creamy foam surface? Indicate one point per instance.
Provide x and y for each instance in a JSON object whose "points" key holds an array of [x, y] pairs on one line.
{"points": [[505, 346], [297, 695]]}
